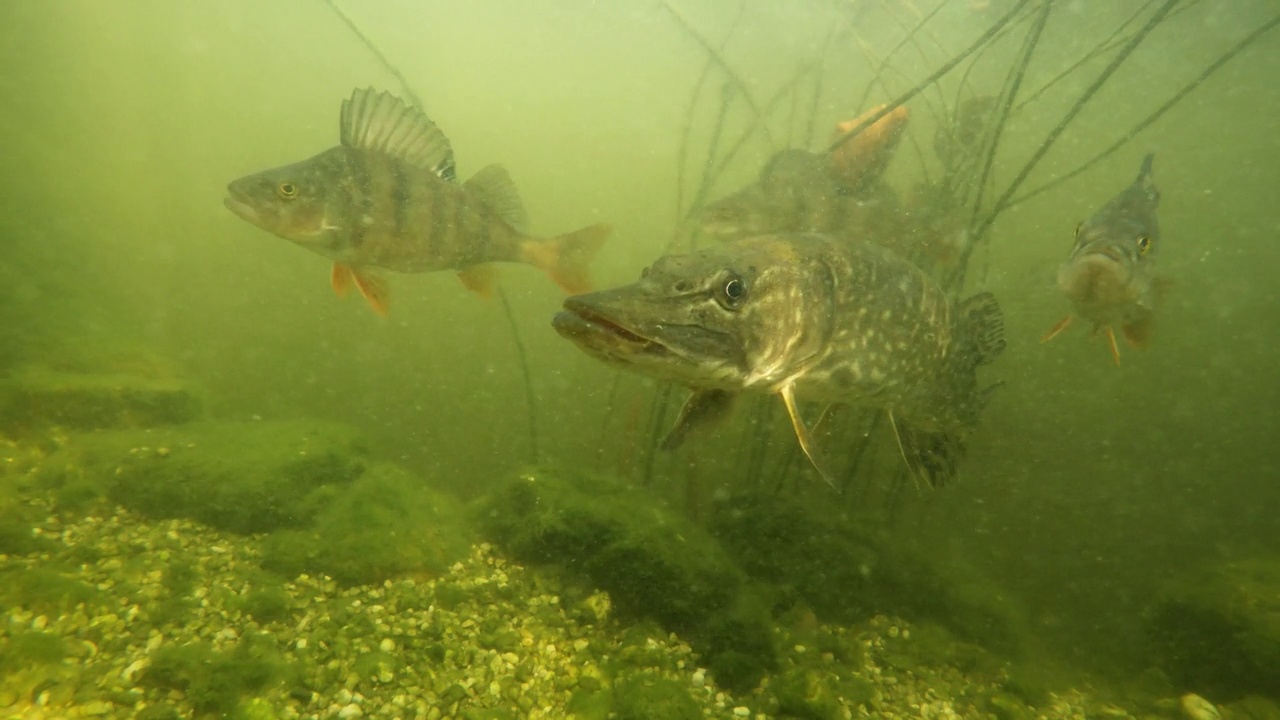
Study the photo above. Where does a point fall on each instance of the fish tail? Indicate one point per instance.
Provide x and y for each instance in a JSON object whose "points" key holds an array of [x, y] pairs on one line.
{"points": [[565, 258], [979, 338]]}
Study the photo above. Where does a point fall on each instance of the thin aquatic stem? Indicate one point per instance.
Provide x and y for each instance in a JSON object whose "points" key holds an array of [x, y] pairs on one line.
{"points": [[932, 78], [1154, 116]]}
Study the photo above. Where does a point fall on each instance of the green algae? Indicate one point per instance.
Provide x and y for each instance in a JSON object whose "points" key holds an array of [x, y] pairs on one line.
{"points": [[213, 681], [34, 397], [25, 648], [386, 523]]}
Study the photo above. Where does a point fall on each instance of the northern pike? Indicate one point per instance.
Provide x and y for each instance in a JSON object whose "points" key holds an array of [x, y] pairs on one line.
{"points": [[808, 318], [386, 197], [1110, 276]]}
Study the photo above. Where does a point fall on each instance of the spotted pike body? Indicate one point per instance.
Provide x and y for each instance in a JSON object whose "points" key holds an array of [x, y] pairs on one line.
{"points": [[805, 317]]}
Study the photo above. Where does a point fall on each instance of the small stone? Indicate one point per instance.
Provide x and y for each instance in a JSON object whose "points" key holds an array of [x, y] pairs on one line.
{"points": [[40, 623], [387, 645], [97, 707], [742, 711], [351, 710]]}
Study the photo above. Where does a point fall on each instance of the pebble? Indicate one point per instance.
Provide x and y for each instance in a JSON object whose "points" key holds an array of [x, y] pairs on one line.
{"points": [[742, 711], [351, 710], [387, 645]]}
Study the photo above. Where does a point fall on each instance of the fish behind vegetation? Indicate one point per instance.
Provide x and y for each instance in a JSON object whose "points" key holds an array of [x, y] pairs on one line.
{"points": [[805, 317], [1110, 276], [862, 159], [387, 198]]}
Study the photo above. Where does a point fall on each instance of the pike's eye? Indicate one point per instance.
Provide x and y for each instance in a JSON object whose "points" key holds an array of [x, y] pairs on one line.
{"points": [[733, 293], [1144, 245], [287, 190]]}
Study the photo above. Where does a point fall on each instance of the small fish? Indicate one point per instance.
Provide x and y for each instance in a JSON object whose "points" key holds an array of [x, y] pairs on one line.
{"points": [[804, 317], [861, 160], [387, 198], [1110, 276], [799, 192]]}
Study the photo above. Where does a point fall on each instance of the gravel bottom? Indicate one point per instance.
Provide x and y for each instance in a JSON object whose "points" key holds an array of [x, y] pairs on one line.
{"points": [[489, 639]]}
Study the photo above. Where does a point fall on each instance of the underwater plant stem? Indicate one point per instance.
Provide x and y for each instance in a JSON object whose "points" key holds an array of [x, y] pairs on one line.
{"points": [[1056, 132], [715, 54], [531, 402], [932, 78], [382, 59], [1148, 120], [1011, 92]]}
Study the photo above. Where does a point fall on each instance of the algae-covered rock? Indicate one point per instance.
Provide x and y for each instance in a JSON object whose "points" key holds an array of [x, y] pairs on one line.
{"points": [[643, 697], [34, 397], [1217, 632], [385, 523], [843, 574], [213, 681], [652, 562], [246, 477]]}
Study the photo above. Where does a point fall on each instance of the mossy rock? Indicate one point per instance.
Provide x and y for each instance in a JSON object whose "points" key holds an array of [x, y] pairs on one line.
{"points": [[246, 477], [846, 576], [644, 697], [215, 682], [35, 397], [384, 524], [45, 590], [26, 648], [653, 563], [1216, 632]]}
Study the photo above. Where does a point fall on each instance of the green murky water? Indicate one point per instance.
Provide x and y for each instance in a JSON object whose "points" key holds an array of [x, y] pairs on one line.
{"points": [[226, 492]]}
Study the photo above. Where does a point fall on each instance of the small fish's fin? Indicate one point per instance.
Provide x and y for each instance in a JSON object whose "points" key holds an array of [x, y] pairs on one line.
{"points": [[980, 329], [1056, 330], [788, 394], [1146, 182], [702, 408], [340, 277], [480, 279], [372, 286], [565, 258], [496, 190], [1111, 340], [381, 122], [1138, 332], [930, 456]]}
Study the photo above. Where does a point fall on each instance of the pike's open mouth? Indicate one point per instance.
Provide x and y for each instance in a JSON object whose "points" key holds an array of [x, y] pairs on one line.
{"points": [[590, 329]]}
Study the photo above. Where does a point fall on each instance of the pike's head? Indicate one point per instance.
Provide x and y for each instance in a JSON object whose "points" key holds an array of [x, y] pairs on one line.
{"points": [[1110, 269], [733, 317], [297, 202]]}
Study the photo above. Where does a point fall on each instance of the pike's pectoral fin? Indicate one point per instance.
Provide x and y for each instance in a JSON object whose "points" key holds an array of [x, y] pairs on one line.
{"points": [[480, 279], [703, 407], [373, 287], [1056, 330], [930, 456], [565, 259], [802, 433]]}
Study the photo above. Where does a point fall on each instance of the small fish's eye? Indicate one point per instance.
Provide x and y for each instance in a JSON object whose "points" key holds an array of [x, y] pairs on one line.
{"points": [[734, 292], [1144, 244], [287, 190]]}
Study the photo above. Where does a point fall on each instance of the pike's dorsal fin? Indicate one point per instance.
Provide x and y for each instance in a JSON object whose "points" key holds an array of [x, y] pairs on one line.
{"points": [[381, 122], [702, 408], [498, 193], [788, 394]]}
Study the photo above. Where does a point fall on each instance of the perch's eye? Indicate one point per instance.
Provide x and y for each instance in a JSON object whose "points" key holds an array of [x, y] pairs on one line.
{"points": [[287, 190], [733, 293], [1144, 245]]}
